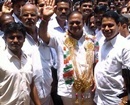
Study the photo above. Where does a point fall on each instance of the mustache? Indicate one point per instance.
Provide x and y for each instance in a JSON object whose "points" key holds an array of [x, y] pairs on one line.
{"points": [[29, 21]]}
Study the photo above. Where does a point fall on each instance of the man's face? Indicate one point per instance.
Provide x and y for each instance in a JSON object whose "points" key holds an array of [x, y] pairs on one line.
{"points": [[86, 8], [98, 17], [92, 23], [17, 6], [119, 3], [62, 10], [109, 28], [15, 41], [75, 24], [29, 15], [124, 10], [40, 6]]}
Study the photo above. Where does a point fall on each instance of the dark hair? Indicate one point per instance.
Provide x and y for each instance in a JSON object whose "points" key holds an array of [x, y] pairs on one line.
{"points": [[14, 27], [16, 1], [74, 12], [123, 20], [113, 15], [102, 1], [100, 8], [66, 1], [84, 1]]}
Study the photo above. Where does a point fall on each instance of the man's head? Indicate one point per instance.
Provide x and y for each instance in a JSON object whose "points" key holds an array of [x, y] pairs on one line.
{"points": [[14, 36], [40, 5], [5, 18], [75, 24], [29, 15], [86, 7], [17, 4], [92, 22], [102, 2], [99, 11], [123, 25], [63, 8], [109, 27], [119, 4]]}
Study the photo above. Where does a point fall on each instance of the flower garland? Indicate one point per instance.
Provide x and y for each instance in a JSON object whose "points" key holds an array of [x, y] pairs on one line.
{"points": [[81, 82]]}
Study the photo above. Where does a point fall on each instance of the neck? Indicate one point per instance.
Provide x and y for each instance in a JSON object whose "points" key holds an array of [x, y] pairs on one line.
{"points": [[61, 22], [112, 37], [33, 33], [76, 36], [127, 33], [17, 53]]}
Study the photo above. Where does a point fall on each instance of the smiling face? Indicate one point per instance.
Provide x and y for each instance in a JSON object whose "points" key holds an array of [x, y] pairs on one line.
{"points": [[15, 41], [109, 28], [29, 15], [75, 24], [86, 8]]}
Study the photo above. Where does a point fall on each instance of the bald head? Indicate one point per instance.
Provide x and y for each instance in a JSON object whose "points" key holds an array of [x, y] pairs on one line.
{"points": [[5, 18], [29, 15], [28, 7]]}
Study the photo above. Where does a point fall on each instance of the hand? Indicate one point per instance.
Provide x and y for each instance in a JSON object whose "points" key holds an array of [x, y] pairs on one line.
{"points": [[124, 101], [7, 7], [48, 9]]}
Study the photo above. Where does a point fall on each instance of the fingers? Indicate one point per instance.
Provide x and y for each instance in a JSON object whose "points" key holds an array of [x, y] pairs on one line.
{"points": [[49, 2]]}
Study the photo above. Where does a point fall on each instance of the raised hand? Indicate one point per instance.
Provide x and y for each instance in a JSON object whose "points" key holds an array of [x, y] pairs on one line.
{"points": [[48, 9], [7, 7]]}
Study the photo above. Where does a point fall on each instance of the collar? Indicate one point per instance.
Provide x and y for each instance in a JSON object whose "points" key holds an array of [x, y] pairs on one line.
{"points": [[16, 18], [10, 55], [114, 41], [56, 24]]}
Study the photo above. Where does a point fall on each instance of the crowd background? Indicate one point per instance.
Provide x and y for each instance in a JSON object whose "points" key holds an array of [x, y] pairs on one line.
{"points": [[74, 52]]}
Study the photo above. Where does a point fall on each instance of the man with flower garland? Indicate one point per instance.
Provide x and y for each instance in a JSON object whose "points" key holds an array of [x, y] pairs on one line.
{"points": [[75, 58]]}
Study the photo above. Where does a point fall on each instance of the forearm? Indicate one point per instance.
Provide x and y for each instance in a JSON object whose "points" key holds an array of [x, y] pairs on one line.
{"points": [[34, 95], [43, 33]]}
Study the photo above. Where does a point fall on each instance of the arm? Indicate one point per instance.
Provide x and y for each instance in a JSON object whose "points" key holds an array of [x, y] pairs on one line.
{"points": [[34, 94], [47, 12]]}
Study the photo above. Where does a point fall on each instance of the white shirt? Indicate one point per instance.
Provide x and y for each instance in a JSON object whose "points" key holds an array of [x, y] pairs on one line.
{"points": [[15, 79], [41, 62], [41, 57], [55, 30], [58, 43], [113, 56], [2, 43], [16, 19]]}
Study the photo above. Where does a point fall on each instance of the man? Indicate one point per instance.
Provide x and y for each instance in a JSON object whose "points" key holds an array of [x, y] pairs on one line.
{"points": [[86, 7], [57, 26], [16, 79], [17, 4], [119, 4], [113, 56], [124, 27], [4, 20], [70, 50], [42, 55]]}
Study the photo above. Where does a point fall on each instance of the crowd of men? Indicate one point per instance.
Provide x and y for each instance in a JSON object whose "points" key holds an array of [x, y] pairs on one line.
{"points": [[64, 52]]}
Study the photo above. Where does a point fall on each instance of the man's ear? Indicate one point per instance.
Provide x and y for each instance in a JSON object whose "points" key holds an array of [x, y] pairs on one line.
{"points": [[55, 9]]}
